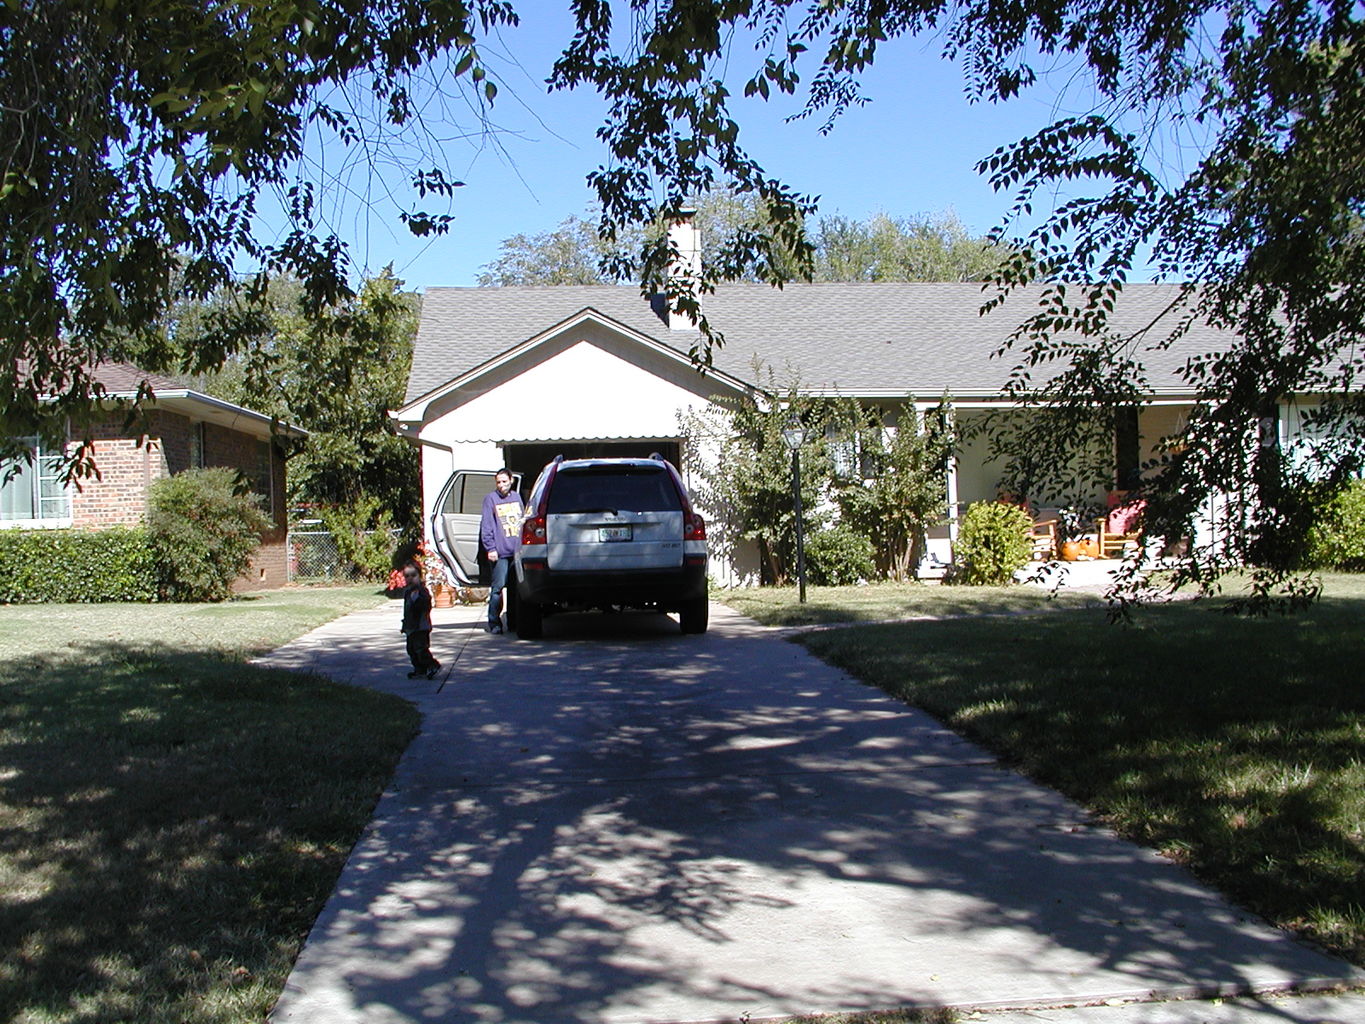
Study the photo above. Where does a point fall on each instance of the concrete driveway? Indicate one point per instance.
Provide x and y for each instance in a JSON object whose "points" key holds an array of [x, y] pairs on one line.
{"points": [[622, 824]]}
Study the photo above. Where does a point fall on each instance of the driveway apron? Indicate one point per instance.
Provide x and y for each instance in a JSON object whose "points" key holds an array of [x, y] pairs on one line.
{"points": [[622, 824]]}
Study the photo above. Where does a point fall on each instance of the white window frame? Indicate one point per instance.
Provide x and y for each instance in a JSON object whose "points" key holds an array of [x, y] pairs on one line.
{"points": [[41, 522]]}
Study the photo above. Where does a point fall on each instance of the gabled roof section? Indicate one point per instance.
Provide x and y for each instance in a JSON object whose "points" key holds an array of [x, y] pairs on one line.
{"points": [[416, 403], [860, 339], [462, 329]]}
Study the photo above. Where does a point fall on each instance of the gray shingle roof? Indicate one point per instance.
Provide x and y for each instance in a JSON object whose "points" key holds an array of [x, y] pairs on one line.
{"points": [[125, 377], [920, 339]]}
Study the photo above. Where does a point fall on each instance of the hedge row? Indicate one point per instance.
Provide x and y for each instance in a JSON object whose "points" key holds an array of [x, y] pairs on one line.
{"points": [[202, 526], [59, 566]]}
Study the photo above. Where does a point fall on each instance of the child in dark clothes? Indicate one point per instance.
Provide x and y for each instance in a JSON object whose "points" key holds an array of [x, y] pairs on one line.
{"points": [[417, 623]]}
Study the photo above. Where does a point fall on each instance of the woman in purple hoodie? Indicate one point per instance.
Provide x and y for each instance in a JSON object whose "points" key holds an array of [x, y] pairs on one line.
{"points": [[500, 535]]}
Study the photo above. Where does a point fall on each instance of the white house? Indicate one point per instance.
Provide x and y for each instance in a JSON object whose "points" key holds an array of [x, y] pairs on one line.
{"points": [[513, 376]]}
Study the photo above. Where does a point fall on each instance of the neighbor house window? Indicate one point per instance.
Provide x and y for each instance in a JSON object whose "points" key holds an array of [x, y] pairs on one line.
{"points": [[262, 477], [197, 446], [32, 490]]}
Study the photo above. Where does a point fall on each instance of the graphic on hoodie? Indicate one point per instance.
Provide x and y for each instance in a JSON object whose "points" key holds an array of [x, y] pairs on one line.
{"points": [[509, 517]]}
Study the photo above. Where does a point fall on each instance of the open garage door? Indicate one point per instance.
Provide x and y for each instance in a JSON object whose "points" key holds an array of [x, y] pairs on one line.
{"points": [[529, 458]]}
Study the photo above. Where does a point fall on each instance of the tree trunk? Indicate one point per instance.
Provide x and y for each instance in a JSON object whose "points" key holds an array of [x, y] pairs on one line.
{"points": [[770, 566]]}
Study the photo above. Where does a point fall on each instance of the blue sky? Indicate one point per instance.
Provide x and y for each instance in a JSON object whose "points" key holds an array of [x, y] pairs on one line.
{"points": [[911, 150]]}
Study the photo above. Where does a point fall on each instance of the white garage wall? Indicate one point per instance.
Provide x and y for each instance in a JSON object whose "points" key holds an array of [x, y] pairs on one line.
{"points": [[581, 392], [589, 386]]}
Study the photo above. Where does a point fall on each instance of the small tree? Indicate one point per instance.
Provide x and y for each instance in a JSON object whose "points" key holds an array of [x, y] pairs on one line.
{"points": [[337, 372], [748, 488], [363, 531], [905, 492], [992, 545], [203, 525]]}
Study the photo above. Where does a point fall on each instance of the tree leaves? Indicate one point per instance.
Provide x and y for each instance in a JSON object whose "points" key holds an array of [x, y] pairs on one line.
{"points": [[136, 142], [928, 247], [1259, 207], [137, 139], [336, 373]]}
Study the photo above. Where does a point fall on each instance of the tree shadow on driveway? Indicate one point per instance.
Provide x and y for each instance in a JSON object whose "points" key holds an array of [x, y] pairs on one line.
{"points": [[626, 824]]}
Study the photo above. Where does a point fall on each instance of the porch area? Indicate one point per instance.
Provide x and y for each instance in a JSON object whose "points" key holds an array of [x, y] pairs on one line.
{"points": [[1090, 527]]}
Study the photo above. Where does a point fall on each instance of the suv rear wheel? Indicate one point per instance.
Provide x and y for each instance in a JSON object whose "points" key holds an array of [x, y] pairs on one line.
{"points": [[529, 620], [695, 615]]}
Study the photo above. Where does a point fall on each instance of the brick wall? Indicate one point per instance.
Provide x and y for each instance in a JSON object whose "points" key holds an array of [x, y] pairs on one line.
{"points": [[128, 465], [262, 464]]}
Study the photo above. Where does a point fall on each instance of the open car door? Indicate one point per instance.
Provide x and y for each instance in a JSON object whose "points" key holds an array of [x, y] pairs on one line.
{"points": [[455, 524]]}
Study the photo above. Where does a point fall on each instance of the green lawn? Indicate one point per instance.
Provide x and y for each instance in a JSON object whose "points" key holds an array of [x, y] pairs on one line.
{"points": [[171, 819], [878, 602], [1235, 745], [238, 628]]}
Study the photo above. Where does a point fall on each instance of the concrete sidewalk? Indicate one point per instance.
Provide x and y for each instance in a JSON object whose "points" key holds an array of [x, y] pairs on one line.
{"points": [[622, 824]]}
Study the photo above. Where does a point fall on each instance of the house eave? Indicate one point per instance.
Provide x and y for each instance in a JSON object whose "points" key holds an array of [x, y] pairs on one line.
{"points": [[968, 398], [414, 412], [217, 411]]}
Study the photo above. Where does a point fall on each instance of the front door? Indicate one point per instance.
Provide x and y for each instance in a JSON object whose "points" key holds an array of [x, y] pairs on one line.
{"points": [[455, 524]]}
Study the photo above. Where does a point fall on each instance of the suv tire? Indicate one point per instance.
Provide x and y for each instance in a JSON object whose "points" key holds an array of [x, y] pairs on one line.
{"points": [[530, 620], [695, 615]]}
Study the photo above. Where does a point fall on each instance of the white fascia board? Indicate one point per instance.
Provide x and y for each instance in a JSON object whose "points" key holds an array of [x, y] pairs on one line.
{"points": [[415, 411], [198, 405], [231, 414], [409, 432]]}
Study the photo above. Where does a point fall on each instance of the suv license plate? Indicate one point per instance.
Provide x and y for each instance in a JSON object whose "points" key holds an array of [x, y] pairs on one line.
{"points": [[609, 533]]}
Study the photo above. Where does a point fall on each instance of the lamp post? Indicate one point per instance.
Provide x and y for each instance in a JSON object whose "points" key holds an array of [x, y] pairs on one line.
{"points": [[794, 436]]}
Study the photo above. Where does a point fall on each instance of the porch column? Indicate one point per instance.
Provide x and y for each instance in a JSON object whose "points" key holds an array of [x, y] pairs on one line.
{"points": [[922, 410], [951, 474]]}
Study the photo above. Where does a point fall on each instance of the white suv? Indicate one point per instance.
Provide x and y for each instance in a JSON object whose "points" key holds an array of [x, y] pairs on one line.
{"points": [[601, 533]]}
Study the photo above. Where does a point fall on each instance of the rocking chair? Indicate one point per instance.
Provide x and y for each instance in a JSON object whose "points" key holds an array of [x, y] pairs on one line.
{"points": [[1120, 529]]}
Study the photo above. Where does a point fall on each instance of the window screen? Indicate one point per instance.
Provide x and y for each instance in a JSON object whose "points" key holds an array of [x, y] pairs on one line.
{"points": [[642, 489]]}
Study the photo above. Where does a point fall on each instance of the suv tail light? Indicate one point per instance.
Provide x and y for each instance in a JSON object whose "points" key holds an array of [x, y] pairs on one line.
{"points": [[694, 527], [533, 530]]}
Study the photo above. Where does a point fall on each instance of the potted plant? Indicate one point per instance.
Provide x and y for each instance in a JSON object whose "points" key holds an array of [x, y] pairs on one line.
{"points": [[435, 576], [1072, 545]]}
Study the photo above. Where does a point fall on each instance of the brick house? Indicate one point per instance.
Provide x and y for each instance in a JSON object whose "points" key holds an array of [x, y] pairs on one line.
{"points": [[182, 429]]}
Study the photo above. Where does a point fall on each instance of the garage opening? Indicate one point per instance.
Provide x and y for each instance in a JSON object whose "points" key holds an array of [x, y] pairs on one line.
{"points": [[530, 458]]}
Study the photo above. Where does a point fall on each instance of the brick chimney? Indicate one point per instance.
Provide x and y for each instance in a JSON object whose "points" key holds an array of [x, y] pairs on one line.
{"points": [[684, 270]]}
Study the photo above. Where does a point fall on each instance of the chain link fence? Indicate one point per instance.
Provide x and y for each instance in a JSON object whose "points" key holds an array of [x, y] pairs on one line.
{"points": [[314, 556]]}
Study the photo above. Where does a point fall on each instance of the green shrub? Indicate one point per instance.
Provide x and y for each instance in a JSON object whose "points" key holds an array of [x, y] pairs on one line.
{"points": [[992, 544], [1337, 539], [61, 566], [839, 557], [364, 537], [204, 524]]}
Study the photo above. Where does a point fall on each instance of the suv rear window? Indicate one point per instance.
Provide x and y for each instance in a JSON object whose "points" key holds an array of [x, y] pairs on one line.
{"points": [[615, 488]]}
